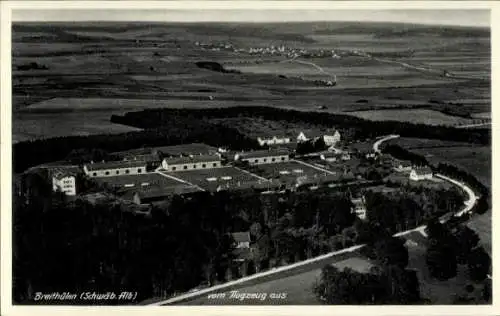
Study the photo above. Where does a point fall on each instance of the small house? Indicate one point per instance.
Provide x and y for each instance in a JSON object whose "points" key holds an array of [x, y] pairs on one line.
{"points": [[359, 207], [421, 173], [64, 182]]}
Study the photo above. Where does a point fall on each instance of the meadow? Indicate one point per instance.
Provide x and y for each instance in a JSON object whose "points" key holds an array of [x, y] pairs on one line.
{"points": [[472, 158], [419, 116], [112, 62]]}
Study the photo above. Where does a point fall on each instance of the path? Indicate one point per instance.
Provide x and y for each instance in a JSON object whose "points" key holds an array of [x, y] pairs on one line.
{"points": [[178, 179], [294, 60], [377, 144], [307, 264]]}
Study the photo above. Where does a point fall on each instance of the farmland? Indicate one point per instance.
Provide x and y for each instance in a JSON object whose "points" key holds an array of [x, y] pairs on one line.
{"points": [[419, 116], [136, 65], [211, 179], [472, 158]]}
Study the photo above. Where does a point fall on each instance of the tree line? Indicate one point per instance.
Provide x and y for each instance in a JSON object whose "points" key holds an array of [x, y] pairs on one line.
{"points": [[451, 246], [177, 130], [63, 245], [363, 128]]}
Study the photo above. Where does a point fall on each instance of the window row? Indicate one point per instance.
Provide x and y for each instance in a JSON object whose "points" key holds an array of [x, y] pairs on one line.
{"points": [[272, 160], [185, 167], [127, 171]]}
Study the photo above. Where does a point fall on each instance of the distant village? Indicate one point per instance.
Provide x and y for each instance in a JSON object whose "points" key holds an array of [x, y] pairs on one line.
{"points": [[273, 50]]}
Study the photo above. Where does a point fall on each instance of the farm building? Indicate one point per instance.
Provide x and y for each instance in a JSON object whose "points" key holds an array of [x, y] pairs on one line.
{"points": [[263, 156], [192, 162], [273, 140], [401, 166], [359, 207], [330, 139], [114, 168], [421, 173], [64, 182]]}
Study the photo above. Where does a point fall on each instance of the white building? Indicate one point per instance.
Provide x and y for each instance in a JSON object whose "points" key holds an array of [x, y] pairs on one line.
{"points": [[273, 140], [64, 183], [191, 162], [422, 173], [359, 207], [114, 168], [263, 156], [329, 139]]}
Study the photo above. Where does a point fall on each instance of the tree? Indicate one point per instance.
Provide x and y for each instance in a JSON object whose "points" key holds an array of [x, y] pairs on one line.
{"points": [[479, 264], [402, 286], [441, 259], [467, 240], [391, 252]]}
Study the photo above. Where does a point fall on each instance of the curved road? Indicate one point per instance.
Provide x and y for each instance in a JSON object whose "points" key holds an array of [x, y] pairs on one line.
{"points": [[377, 144], [468, 205]]}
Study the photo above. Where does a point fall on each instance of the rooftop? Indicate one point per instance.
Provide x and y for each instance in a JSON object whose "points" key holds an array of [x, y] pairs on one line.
{"points": [[185, 149], [264, 153], [115, 164], [423, 170], [192, 159], [241, 237]]}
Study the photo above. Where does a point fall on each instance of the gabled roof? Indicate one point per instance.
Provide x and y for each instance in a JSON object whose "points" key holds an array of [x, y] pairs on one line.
{"points": [[61, 172], [241, 236], [185, 149], [115, 165], [192, 159], [263, 153]]}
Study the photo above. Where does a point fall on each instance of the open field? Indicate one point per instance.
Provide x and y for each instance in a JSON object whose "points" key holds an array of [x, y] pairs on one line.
{"points": [[113, 62], [472, 158], [298, 287], [210, 179], [31, 126], [290, 172], [419, 116]]}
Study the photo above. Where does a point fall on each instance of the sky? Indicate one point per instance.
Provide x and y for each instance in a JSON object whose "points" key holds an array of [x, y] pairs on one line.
{"points": [[460, 17]]}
